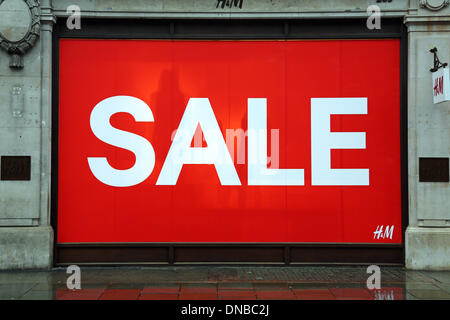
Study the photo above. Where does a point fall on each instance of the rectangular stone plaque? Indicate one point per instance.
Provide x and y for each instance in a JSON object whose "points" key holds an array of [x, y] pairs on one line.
{"points": [[16, 168], [433, 170]]}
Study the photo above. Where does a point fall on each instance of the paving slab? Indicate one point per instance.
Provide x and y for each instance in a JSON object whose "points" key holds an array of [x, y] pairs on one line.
{"points": [[38, 295], [12, 291], [442, 277], [430, 294]]}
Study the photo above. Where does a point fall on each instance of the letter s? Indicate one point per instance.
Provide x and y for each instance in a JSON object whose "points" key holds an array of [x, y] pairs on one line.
{"points": [[142, 149]]}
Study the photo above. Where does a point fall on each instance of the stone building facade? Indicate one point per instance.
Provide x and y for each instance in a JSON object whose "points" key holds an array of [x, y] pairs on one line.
{"points": [[26, 232]]}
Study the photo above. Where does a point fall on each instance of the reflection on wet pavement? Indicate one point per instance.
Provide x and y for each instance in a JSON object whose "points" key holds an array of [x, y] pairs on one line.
{"points": [[225, 283]]}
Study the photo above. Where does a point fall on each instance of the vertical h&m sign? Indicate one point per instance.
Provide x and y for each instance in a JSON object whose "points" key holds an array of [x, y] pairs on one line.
{"points": [[441, 85]]}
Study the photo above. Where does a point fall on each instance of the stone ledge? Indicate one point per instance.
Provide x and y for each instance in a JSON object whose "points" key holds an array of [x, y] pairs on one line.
{"points": [[26, 248], [331, 14], [427, 248], [427, 23]]}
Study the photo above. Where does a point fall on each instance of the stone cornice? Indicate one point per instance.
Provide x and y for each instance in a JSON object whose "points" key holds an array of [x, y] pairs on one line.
{"points": [[47, 16], [310, 14], [416, 19], [433, 23]]}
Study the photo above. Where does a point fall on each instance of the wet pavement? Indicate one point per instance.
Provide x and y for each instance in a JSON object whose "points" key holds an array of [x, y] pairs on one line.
{"points": [[226, 283]]}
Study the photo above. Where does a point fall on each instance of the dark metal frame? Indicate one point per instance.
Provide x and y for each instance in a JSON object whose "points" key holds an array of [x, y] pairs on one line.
{"points": [[231, 253], [433, 169], [15, 168]]}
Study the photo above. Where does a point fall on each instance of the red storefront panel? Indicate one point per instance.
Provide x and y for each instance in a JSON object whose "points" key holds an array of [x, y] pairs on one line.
{"points": [[292, 76]]}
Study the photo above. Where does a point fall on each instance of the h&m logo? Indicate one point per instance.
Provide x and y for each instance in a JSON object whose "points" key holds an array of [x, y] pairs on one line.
{"points": [[229, 3], [438, 86]]}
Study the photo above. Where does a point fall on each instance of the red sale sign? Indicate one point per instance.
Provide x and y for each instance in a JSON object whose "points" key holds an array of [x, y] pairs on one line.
{"points": [[229, 141]]}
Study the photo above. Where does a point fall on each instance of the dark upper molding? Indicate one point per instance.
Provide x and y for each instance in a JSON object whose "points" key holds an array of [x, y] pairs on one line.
{"points": [[229, 29]]}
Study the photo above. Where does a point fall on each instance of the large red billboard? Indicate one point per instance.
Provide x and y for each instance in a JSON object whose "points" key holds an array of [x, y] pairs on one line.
{"points": [[229, 141]]}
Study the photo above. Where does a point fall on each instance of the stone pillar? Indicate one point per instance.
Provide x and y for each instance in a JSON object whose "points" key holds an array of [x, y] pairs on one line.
{"points": [[26, 237], [428, 234]]}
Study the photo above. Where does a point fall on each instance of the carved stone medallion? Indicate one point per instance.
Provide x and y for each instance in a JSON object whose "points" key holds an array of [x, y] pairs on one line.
{"points": [[19, 28]]}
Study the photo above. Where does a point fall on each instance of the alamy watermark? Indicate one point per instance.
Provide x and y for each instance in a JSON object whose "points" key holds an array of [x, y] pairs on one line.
{"points": [[374, 19], [374, 280], [74, 18], [74, 280]]}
